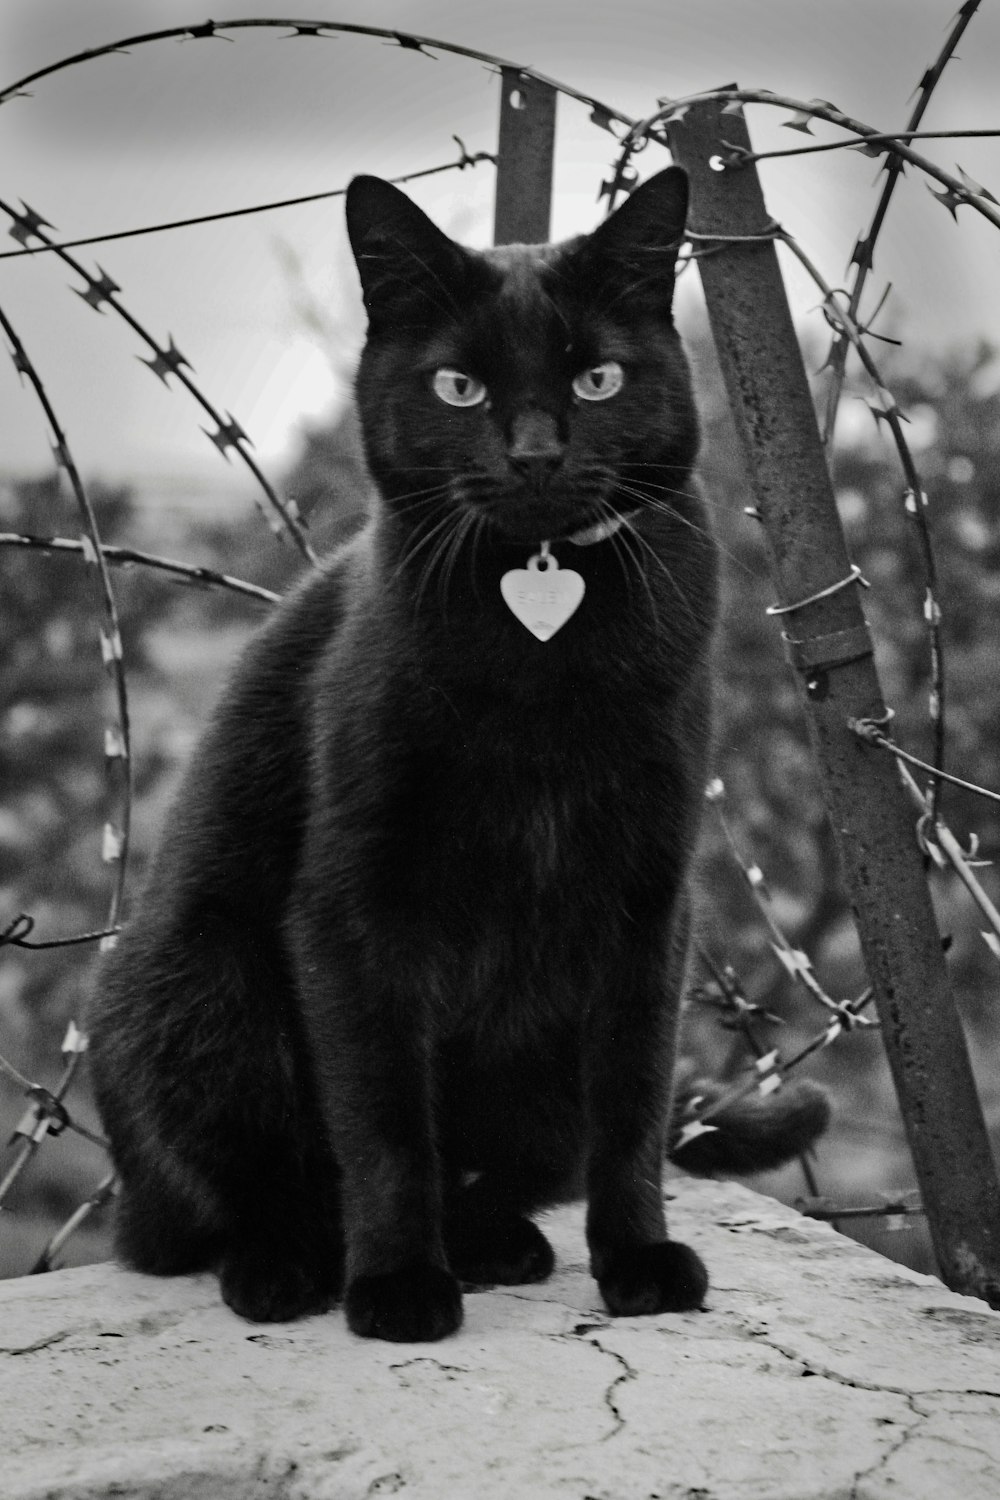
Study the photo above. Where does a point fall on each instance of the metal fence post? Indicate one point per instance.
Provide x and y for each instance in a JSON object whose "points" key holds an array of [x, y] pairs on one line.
{"points": [[871, 815], [524, 160]]}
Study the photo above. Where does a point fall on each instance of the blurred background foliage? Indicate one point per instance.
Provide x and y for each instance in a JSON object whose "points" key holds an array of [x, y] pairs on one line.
{"points": [[180, 641]]}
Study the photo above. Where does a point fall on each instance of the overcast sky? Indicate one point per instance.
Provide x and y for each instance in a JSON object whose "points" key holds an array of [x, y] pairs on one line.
{"points": [[267, 308]]}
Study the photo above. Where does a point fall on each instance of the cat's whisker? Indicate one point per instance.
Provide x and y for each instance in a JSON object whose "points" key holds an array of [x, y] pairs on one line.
{"points": [[654, 555], [693, 495], [610, 513], [423, 539], [624, 541], [661, 507], [696, 496], [480, 527], [655, 503], [454, 523], [453, 549]]}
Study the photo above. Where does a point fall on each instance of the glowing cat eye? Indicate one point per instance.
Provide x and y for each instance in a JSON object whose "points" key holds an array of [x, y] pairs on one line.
{"points": [[457, 388], [600, 381]]}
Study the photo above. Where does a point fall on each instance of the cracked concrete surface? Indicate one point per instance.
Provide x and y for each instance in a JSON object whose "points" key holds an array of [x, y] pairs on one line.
{"points": [[819, 1371]]}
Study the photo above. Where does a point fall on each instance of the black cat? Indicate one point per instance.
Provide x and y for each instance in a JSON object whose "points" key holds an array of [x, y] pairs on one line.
{"points": [[408, 965]]}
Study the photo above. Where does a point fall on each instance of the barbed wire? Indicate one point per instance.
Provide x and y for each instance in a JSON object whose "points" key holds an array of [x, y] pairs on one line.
{"points": [[957, 193], [125, 557], [101, 1196], [466, 159], [603, 115], [117, 737], [897, 1210], [794, 961], [863, 254], [100, 293], [873, 145], [16, 935], [916, 501], [47, 1114]]}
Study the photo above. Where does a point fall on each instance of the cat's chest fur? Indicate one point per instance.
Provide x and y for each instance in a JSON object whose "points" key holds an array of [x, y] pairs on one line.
{"points": [[536, 796]]}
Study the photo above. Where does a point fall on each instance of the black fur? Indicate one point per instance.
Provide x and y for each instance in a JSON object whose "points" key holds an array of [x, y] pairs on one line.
{"points": [[407, 968]]}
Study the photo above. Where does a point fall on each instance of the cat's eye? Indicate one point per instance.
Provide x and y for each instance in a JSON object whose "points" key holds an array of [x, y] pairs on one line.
{"points": [[600, 381], [457, 388]]}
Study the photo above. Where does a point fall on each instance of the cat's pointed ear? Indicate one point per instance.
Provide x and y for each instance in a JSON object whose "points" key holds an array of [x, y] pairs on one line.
{"points": [[634, 252], [410, 270]]}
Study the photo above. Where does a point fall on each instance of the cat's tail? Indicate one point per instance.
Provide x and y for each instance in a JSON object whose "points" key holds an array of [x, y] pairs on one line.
{"points": [[752, 1134]]}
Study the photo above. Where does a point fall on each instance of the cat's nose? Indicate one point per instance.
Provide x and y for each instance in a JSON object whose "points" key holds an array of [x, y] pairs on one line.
{"points": [[535, 449]]}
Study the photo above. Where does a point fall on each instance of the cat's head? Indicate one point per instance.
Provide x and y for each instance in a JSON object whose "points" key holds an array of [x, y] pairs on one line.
{"points": [[540, 389]]}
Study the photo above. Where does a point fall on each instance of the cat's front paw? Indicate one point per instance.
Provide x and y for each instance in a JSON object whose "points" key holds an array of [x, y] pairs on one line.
{"points": [[638, 1279], [413, 1305], [508, 1252], [265, 1286]]}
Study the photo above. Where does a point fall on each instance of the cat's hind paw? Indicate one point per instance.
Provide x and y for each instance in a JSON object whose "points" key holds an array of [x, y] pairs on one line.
{"points": [[642, 1279], [416, 1304], [264, 1286], [511, 1252]]}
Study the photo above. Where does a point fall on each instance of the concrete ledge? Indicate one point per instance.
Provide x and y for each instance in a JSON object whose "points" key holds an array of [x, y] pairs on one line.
{"points": [[115, 1384]]}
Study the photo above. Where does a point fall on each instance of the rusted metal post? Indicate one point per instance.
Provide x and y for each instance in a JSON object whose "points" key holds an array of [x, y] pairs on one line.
{"points": [[524, 160], [828, 642]]}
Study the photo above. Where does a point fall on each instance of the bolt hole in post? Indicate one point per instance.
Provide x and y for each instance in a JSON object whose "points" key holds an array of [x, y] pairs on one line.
{"points": [[525, 155]]}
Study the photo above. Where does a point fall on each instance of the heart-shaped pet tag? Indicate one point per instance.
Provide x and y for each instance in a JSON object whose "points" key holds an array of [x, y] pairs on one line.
{"points": [[542, 595]]}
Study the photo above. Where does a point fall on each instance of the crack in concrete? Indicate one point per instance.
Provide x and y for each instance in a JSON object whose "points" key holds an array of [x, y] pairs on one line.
{"points": [[428, 1359], [627, 1373], [824, 1372], [885, 1459], [512, 1292], [921, 1416], [914, 1430], [44, 1343]]}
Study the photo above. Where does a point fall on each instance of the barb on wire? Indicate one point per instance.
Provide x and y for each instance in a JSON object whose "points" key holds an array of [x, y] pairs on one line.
{"points": [[125, 557], [897, 1211], [116, 839], [938, 841], [47, 1107], [102, 1195], [624, 175], [769, 1070], [875, 145], [603, 115], [17, 935], [466, 159], [739, 1013], [795, 962], [862, 255], [100, 292], [956, 192], [873, 734], [935, 837], [885, 409], [46, 1110]]}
